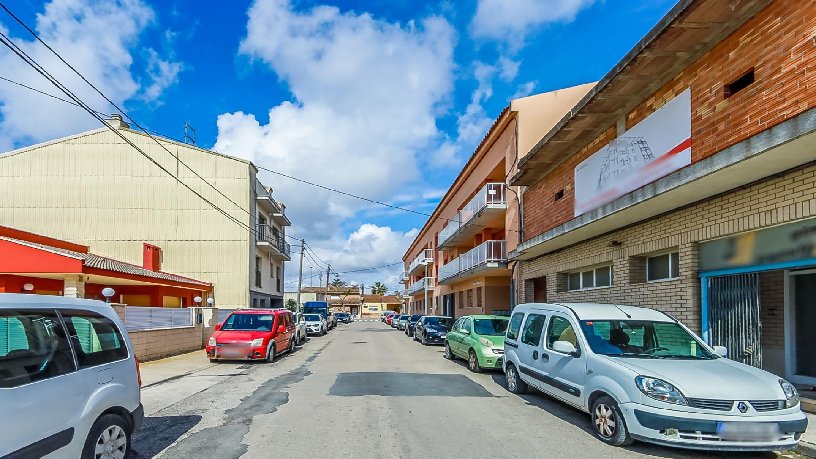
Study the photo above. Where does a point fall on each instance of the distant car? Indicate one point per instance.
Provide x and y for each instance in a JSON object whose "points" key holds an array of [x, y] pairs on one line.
{"points": [[331, 320], [343, 317], [300, 328], [315, 324], [412, 321], [382, 316], [432, 329], [389, 319], [402, 322], [52, 351], [479, 340], [253, 334]]}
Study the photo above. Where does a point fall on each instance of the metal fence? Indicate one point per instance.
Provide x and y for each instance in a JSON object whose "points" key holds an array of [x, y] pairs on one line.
{"points": [[146, 318], [486, 252], [222, 314]]}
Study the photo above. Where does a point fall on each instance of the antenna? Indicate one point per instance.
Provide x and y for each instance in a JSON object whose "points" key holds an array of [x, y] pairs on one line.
{"points": [[621, 310], [189, 133]]}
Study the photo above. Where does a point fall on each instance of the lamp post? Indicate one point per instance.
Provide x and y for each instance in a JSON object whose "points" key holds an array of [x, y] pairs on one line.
{"points": [[197, 301], [210, 301], [108, 293]]}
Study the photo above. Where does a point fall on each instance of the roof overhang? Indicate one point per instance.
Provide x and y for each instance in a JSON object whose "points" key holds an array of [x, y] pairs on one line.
{"points": [[686, 33], [783, 147]]}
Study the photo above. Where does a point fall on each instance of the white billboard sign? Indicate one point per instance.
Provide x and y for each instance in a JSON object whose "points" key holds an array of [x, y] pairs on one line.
{"points": [[653, 148]]}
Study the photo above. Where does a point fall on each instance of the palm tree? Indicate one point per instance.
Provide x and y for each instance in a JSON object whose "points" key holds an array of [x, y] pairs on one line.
{"points": [[379, 289]]}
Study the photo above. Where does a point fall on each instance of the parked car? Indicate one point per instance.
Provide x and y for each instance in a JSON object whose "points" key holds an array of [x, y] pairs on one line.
{"points": [[343, 317], [402, 321], [479, 340], [253, 334], [300, 328], [412, 321], [315, 324], [331, 320], [642, 375], [69, 378], [432, 329], [383, 314], [389, 318], [395, 320]]}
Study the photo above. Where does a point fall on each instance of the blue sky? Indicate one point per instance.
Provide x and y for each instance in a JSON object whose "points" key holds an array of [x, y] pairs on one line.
{"points": [[385, 99]]}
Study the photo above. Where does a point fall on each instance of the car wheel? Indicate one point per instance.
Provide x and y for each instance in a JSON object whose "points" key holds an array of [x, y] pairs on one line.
{"points": [[109, 437], [422, 340], [448, 353], [514, 382], [610, 427], [323, 333], [473, 362], [270, 352], [292, 345]]}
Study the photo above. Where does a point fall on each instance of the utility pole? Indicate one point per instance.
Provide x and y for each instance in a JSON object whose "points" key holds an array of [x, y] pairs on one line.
{"points": [[300, 273], [328, 272]]}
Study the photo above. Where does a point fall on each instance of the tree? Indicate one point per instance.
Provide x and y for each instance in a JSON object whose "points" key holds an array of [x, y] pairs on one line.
{"points": [[379, 289], [291, 304], [337, 282]]}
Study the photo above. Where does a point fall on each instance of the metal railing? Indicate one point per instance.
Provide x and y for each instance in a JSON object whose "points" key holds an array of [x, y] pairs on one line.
{"points": [[425, 283], [492, 194], [265, 234], [425, 257], [486, 252], [148, 318]]}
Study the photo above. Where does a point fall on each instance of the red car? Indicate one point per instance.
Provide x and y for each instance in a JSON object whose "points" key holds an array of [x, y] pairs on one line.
{"points": [[390, 317], [253, 334]]}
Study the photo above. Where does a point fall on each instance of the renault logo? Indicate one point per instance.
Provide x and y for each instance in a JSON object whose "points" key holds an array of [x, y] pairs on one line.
{"points": [[743, 407]]}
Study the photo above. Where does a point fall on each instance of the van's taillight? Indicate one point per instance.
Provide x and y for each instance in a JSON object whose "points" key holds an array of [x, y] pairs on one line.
{"points": [[138, 371]]}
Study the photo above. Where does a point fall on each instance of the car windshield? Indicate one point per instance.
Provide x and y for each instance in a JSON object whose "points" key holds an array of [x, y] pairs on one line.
{"points": [[249, 322], [312, 317], [490, 327], [643, 339], [415, 317], [403, 318], [439, 322]]}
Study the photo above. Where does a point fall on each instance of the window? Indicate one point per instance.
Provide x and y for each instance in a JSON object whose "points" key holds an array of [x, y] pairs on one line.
{"points": [[278, 278], [96, 338], [661, 267], [591, 278], [258, 272], [33, 347], [533, 329], [515, 326], [560, 330], [263, 303], [478, 297], [559, 195], [739, 84], [271, 269], [467, 325], [470, 298], [461, 300]]}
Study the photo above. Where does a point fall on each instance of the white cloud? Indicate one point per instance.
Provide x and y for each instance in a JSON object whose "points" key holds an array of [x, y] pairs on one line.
{"points": [[98, 38], [510, 21], [508, 69], [366, 94], [524, 90], [162, 74]]}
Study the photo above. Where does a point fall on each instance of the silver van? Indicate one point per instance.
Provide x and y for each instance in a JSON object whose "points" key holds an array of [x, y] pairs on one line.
{"points": [[69, 381], [642, 375]]}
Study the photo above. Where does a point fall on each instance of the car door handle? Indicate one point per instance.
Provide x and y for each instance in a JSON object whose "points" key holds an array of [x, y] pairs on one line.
{"points": [[535, 355]]}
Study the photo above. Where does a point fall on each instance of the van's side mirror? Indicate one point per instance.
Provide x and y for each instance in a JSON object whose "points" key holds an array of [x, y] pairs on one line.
{"points": [[722, 351], [282, 329], [217, 327], [565, 347]]}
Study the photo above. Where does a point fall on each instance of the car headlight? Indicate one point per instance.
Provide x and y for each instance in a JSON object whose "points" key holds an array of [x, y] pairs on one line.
{"points": [[791, 395], [256, 342], [485, 341], [660, 390], [212, 342]]}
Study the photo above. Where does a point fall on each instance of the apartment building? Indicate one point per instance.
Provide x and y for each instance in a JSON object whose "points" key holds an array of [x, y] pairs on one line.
{"points": [[685, 181], [458, 264], [96, 190]]}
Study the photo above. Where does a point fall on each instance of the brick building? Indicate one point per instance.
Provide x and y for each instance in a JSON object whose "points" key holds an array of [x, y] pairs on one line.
{"points": [[686, 181]]}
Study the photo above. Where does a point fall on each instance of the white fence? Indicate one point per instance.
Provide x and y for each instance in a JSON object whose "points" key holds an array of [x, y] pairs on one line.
{"points": [[145, 318]]}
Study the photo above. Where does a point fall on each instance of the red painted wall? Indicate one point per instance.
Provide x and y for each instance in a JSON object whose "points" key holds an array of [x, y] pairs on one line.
{"points": [[22, 259]]}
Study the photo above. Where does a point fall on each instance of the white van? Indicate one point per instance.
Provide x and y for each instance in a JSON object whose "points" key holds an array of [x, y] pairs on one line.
{"points": [[642, 375], [69, 381]]}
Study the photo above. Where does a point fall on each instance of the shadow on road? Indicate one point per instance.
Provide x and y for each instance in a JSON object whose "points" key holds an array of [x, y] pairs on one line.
{"points": [[159, 432]]}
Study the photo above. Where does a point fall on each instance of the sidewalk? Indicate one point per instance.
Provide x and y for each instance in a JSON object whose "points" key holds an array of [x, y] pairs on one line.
{"points": [[175, 367], [807, 444]]}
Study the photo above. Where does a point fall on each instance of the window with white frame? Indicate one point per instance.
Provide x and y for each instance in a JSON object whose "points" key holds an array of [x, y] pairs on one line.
{"points": [[663, 266], [590, 278]]}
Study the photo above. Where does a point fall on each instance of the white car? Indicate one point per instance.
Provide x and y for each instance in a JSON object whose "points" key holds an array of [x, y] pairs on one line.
{"points": [[642, 375], [316, 324], [300, 328], [69, 376]]}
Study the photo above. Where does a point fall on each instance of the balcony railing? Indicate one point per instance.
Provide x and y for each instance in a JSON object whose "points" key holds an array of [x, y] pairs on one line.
{"points": [[492, 194], [483, 254], [425, 258], [266, 235], [426, 283]]}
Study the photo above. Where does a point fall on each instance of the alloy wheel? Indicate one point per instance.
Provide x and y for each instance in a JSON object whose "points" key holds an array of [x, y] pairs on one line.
{"points": [[605, 422], [111, 444], [512, 384]]}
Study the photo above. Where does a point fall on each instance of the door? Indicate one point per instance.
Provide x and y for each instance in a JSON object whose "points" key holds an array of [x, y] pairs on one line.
{"points": [[734, 317], [529, 348], [564, 375], [801, 317], [465, 337], [455, 336], [39, 382]]}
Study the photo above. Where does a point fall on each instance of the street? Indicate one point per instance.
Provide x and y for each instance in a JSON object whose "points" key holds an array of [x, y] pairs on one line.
{"points": [[364, 390]]}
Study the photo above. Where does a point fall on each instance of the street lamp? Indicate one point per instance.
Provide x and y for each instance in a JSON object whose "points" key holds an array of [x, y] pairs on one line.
{"points": [[108, 293], [197, 300], [211, 301]]}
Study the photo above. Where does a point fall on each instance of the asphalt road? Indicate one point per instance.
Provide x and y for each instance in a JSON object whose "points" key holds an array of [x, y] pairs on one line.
{"points": [[364, 390]]}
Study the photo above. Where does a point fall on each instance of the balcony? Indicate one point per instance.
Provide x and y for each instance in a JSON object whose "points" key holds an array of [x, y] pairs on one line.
{"points": [[426, 283], [425, 258], [404, 278], [485, 258], [485, 210], [265, 200], [273, 243]]}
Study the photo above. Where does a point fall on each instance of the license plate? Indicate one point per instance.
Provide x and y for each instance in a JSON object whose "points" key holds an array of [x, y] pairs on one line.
{"points": [[443, 335], [231, 352], [748, 431]]}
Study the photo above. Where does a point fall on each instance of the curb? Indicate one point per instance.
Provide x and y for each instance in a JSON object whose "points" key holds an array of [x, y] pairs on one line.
{"points": [[806, 448]]}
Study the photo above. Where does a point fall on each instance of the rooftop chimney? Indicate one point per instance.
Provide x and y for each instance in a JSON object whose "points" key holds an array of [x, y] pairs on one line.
{"points": [[151, 257], [117, 122]]}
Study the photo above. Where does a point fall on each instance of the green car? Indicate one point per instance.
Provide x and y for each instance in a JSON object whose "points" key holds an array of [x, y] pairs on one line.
{"points": [[479, 340]]}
